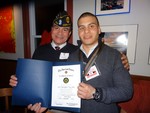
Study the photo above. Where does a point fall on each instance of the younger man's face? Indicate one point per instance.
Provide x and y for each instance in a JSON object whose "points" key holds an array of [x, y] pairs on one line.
{"points": [[88, 30]]}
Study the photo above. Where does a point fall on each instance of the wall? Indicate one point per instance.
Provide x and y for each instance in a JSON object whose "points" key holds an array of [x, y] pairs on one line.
{"points": [[7, 68], [139, 14]]}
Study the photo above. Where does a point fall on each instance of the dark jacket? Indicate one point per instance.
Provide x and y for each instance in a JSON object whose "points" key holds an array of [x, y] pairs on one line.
{"points": [[114, 80]]}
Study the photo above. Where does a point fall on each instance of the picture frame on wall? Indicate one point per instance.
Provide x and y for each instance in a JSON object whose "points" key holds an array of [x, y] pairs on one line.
{"points": [[117, 40], [123, 38], [11, 36], [111, 7], [149, 57]]}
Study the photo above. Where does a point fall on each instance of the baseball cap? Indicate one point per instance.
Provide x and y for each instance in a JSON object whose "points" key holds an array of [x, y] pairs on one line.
{"points": [[63, 19]]}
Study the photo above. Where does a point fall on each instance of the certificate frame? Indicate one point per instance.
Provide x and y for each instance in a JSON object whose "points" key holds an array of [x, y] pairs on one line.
{"points": [[132, 38], [105, 7], [18, 34]]}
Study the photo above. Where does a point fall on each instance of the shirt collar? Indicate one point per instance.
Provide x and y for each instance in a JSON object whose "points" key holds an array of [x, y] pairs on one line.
{"points": [[91, 50], [61, 46]]}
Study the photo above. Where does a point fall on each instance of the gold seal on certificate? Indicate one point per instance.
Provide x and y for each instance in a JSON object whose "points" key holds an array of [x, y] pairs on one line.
{"points": [[66, 80]]}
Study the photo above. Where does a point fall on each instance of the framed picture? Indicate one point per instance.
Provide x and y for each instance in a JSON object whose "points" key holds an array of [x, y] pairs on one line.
{"points": [[122, 38], [149, 56], [11, 34], [107, 7]]}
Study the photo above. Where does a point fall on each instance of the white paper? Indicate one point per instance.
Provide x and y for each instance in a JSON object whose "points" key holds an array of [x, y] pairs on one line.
{"points": [[65, 80]]}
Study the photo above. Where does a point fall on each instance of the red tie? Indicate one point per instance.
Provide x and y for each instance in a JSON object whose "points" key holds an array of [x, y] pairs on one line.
{"points": [[57, 48]]}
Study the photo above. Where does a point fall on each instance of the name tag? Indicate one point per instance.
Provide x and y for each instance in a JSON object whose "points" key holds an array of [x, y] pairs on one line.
{"points": [[92, 73], [64, 55]]}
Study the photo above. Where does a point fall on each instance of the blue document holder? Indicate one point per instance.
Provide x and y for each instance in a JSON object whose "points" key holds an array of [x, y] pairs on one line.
{"points": [[35, 83]]}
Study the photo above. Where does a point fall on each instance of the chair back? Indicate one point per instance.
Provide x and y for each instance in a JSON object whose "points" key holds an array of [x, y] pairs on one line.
{"points": [[6, 92]]}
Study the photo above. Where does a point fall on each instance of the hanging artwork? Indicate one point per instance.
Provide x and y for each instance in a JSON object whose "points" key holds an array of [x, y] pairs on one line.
{"points": [[122, 38], [7, 30], [110, 7], [11, 32], [149, 56]]}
